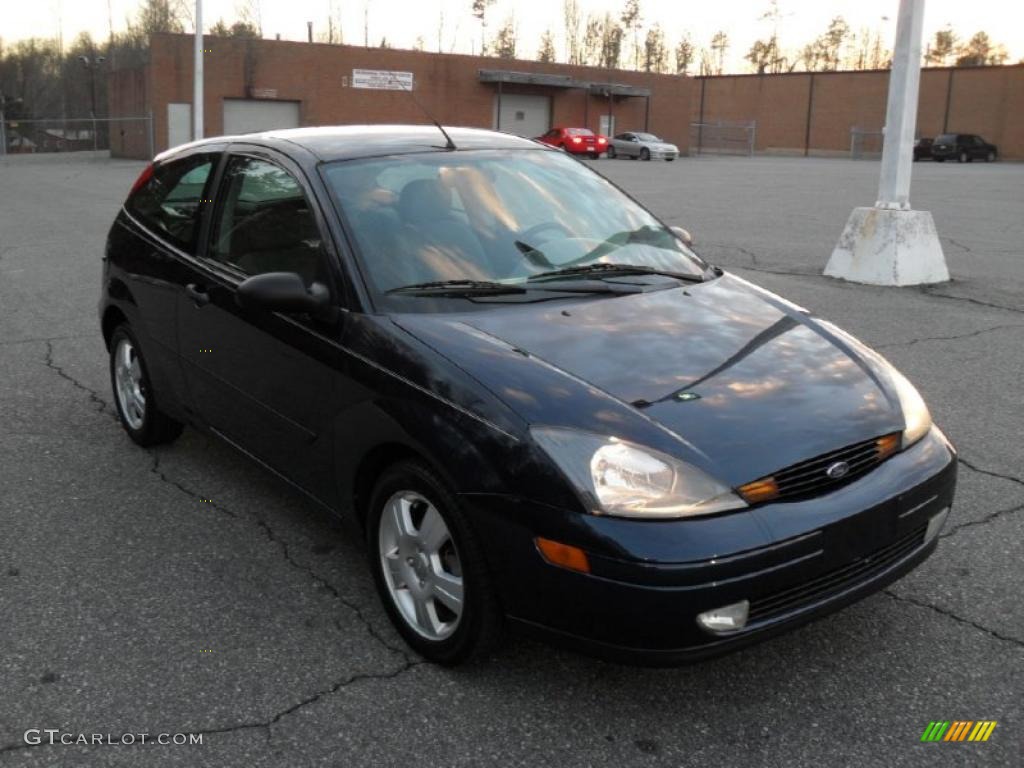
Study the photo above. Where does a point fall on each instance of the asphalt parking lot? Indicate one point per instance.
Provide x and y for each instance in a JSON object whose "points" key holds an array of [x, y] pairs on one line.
{"points": [[185, 590]]}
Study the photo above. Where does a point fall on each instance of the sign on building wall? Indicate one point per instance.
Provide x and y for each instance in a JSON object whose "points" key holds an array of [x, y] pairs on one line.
{"points": [[382, 79]]}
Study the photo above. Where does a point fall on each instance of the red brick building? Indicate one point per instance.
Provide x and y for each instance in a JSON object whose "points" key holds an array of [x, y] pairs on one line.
{"points": [[256, 84]]}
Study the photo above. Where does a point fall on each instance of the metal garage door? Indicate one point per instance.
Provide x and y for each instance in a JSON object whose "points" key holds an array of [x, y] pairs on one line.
{"points": [[522, 115], [251, 115]]}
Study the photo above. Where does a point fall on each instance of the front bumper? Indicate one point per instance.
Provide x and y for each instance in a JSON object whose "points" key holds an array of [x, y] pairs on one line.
{"points": [[793, 561]]}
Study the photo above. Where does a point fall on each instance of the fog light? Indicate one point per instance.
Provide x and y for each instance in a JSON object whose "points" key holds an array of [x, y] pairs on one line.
{"points": [[935, 524], [726, 618]]}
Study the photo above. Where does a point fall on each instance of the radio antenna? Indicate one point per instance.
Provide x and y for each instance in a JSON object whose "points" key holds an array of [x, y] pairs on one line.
{"points": [[449, 144]]}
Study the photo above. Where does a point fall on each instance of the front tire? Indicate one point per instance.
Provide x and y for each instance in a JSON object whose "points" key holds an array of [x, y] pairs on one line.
{"points": [[611, 152], [136, 404], [964, 157], [429, 567], [990, 157], [645, 154]]}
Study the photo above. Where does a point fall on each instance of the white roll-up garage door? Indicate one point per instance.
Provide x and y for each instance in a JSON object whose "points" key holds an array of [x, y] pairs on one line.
{"points": [[251, 115], [522, 115]]}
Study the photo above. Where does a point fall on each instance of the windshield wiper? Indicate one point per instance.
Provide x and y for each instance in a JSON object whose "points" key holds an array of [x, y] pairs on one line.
{"points": [[458, 288], [602, 269]]}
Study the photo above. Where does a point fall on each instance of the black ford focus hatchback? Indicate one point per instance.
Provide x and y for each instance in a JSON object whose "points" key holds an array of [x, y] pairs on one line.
{"points": [[539, 406]]}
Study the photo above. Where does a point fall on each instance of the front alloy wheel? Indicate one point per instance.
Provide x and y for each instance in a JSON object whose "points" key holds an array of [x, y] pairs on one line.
{"points": [[429, 568], [421, 565]]}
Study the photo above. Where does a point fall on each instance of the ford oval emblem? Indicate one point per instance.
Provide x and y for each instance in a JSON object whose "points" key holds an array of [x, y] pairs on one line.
{"points": [[838, 470]]}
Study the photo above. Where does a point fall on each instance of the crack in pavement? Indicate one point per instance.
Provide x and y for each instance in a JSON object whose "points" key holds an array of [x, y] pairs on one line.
{"points": [[94, 398], [282, 545], [911, 342], [949, 614], [989, 472], [270, 722], [983, 521], [13, 342], [928, 290], [958, 244]]}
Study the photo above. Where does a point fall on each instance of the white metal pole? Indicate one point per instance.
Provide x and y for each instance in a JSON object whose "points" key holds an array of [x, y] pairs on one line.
{"points": [[901, 110], [197, 85]]}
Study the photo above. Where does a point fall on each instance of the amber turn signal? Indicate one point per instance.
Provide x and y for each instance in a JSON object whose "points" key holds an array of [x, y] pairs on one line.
{"points": [[887, 445], [563, 555], [764, 489]]}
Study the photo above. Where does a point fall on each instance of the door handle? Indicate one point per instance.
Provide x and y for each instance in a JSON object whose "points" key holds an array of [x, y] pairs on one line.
{"points": [[199, 297]]}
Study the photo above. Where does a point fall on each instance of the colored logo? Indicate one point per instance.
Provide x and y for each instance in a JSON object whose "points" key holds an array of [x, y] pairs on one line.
{"points": [[837, 470], [958, 730]]}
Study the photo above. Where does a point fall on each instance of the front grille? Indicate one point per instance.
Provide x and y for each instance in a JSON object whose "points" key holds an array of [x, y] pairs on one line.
{"points": [[835, 581], [811, 478]]}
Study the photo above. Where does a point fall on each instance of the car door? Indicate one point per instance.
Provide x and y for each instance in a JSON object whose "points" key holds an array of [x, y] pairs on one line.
{"points": [[150, 241], [979, 148], [266, 381]]}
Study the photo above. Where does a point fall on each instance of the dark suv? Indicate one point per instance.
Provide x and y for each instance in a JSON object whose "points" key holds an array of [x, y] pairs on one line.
{"points": [[965, 147]]}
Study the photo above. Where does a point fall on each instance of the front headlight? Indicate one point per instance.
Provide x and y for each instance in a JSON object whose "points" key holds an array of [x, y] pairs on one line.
{"points": [[916, 418], [622, 479]]}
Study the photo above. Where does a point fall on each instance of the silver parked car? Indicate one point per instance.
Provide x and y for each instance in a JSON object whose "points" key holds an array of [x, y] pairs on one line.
{"points": [[643, 145]]}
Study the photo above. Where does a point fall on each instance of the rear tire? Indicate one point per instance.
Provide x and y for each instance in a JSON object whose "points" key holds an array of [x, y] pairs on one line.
{"points": [[611, 153], [429, 567], [645, 154], [134, 398], [990, 157], [963, 157], [939, 159]]}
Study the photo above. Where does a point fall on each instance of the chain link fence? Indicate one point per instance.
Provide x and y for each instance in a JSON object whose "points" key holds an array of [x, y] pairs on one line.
{"points": [[121, 136], [723, 137], [865, 144]]}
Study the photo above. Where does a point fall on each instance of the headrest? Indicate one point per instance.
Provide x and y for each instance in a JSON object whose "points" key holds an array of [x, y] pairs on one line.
{"points": [[424, 200]]}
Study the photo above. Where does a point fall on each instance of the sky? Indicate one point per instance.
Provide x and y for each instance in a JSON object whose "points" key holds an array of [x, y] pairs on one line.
{"points": [[402, 21]]}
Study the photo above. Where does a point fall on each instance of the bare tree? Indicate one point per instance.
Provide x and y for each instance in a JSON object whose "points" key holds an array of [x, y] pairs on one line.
{"points": [[480, 13], [719, 45], [980, 51], [250, 13], [505, 41], [593, 35], [546, 52], [655, 50], [611, 43], [571, 20], [631, 22], [942, 48], [684, 55]]}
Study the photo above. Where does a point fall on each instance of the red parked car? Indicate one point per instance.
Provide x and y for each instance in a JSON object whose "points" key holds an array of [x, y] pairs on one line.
{"points": [[576, 141]]}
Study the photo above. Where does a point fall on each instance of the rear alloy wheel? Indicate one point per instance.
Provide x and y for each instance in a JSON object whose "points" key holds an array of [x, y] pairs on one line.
{"points": [[137, 410], [964, 157], [990, 157], [428, 567], [645, 154], [611, 152]]}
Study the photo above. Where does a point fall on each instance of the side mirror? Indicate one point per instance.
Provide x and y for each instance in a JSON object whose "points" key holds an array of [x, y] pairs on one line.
{"points": [[683, 234], [283, 292]]}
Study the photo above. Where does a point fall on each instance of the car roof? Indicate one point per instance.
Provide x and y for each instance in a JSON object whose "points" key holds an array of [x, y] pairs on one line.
{"points": [[346, 142]]}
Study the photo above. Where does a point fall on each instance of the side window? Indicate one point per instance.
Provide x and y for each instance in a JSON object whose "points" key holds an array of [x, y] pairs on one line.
{"points": [[170, 202], [264, 223], [978, 141]]}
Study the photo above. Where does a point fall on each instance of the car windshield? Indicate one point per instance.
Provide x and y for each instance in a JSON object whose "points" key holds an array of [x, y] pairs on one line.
{"points": [[494, 216], [647, 137]]}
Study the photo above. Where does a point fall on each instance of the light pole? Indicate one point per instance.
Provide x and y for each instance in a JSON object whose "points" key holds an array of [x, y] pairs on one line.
{"points": [[197, 78], [891, 244], [91, 65]]}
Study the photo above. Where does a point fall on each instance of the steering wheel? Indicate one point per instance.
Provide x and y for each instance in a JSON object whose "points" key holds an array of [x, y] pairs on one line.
{"points": [[544, 225]]}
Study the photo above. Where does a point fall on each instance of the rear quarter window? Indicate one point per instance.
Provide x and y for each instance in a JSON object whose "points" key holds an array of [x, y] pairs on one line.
{"points": [[170, 202]]}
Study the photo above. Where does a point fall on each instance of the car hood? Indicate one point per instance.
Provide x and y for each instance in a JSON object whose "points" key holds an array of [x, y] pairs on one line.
{"points": [[749, 382]]}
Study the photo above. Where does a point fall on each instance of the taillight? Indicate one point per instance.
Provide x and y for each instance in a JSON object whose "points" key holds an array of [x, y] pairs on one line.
{"points": [[601, 140], [146, 175], [577, 140]]}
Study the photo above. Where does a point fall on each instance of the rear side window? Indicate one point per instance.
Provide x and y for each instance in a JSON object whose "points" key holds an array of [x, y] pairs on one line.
{"points": [[946, 138], [169, 203]]}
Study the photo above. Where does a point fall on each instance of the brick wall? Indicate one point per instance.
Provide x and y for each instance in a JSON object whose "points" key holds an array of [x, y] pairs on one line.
{"points": [[793, 116]]}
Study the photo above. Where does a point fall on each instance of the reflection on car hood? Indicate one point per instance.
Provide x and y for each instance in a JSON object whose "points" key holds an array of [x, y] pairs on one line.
{"points": [[749, 381]]}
